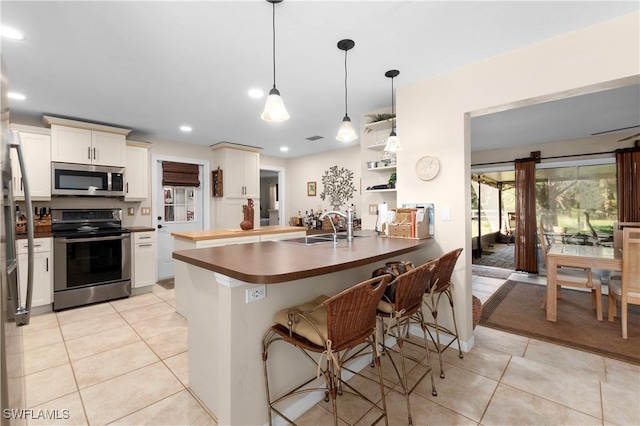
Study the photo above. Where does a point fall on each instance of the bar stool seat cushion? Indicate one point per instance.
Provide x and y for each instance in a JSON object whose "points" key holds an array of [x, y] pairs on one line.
{"points": [[615, 286], [314, 312]]}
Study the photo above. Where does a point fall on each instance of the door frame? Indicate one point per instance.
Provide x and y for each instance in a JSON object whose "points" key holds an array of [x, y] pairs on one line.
{"points": [[281, 191]]}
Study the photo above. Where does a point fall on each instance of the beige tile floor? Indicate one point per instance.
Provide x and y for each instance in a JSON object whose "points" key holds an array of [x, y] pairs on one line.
{"points": [[125, 363]]}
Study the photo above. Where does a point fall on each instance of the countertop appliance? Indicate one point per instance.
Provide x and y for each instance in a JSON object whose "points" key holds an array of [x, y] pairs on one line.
{"points": [[15, 312], [92, 256], [87, 179]]}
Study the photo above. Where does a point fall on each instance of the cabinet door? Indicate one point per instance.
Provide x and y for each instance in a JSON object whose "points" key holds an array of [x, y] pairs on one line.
{"points": [[234, 174], [251, 173], [37, 155], [16, 175], [70, 145], [144, 271], [136, 174], [42, 278], [108, 149]]}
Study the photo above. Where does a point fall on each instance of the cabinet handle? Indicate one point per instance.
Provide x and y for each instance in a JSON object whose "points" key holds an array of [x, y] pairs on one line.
{"points": [[47, 265], [145, 245], [88, 153], [94, 153], [21, 184], [37, 245], [127, 187], [145, 238]]}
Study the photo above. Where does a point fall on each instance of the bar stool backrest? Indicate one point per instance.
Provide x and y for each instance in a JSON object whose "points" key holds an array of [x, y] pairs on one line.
{"points": [[441, 278], [411, 286], [351, 314]]}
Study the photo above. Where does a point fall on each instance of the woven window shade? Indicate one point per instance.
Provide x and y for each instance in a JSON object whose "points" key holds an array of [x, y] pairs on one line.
{"points": [[628, 171], [180, 174], [525, 253]]}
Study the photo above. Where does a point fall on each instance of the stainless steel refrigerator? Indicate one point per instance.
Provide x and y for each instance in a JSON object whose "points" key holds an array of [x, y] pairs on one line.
{"points": [[15, 312]]}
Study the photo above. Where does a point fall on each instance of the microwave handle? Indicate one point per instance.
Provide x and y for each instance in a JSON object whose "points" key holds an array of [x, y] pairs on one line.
{"points": [[23, 313]]}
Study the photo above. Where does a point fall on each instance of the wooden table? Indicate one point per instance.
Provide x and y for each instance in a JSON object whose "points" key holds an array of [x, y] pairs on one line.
{"points": [[576, 256]]}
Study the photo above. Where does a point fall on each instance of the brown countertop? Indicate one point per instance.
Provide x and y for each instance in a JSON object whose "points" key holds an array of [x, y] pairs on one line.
{"points": [[35, 235], [272, 262], [213, 234], [140, 228]]}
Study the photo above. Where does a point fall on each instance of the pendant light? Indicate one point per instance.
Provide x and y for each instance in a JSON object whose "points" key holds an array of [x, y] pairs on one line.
{"points": [[274, 110], [393, 143], [346, 132]]}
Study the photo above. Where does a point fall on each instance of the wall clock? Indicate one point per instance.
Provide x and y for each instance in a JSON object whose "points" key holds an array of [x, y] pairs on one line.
{"points": [[427, 167]]}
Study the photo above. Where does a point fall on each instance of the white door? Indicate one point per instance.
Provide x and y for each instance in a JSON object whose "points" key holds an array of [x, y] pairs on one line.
{"points": [[177, 209]]}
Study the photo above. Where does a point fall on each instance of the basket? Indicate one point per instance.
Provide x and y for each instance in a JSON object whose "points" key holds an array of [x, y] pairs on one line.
{"points": [[21, 226]]}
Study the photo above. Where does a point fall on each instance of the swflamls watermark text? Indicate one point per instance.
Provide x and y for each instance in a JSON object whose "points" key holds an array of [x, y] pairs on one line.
{"points": [[32, 414]]}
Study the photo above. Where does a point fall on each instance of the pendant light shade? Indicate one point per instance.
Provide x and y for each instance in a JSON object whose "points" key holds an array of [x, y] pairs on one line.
{"points": [[393, 143], [346, 132], [274, 110]]}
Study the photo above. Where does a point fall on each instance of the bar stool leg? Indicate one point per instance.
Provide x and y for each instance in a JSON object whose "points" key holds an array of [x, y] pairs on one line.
{"points": [[455, 323]]}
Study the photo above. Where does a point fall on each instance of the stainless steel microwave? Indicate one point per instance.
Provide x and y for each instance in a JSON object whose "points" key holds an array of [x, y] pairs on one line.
{"points": [[86, 179]]}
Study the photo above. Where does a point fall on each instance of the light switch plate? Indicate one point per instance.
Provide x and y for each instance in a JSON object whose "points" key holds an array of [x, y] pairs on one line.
{"points": [[446, 214], [373, 209], [146, 211]]}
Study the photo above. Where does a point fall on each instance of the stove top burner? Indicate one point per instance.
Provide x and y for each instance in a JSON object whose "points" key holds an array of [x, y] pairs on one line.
{"points": [[80, 223]]}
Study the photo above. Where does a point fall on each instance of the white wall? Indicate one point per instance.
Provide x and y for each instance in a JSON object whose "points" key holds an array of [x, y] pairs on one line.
{"points": [[433, 119], [311, 168]]}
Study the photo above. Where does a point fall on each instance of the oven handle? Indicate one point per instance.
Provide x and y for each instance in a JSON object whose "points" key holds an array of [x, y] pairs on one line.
{"points": [[77, 240]]}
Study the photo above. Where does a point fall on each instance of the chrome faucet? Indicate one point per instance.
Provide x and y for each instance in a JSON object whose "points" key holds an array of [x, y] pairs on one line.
{"points": [[348, 217]]}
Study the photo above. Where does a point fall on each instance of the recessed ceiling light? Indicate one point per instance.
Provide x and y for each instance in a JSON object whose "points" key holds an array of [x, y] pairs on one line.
{"points": [[256, 93], [16, 96], [284, 148], [11, 33], [186, 128]]}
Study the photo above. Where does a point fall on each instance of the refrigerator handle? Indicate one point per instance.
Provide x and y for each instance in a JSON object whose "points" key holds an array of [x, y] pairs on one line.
{"points": [[23, 313]]}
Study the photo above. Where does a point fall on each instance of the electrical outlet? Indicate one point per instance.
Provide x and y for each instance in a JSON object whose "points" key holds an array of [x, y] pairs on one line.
{"points": [[130, 211], [145, 211], [256, 293], [373, 209]]}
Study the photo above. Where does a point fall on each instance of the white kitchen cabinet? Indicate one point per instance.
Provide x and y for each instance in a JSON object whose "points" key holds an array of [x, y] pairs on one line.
{"points": [[42, 271], [241, 172], [143, 263], [37, 156], [136, 174], [84, 146]]}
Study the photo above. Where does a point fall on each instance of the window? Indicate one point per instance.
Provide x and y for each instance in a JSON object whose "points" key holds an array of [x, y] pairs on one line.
{"points": [[179, 203]]}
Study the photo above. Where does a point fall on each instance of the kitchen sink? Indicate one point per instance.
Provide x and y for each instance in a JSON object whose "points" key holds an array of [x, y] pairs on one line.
{"points": [[317, 239]]}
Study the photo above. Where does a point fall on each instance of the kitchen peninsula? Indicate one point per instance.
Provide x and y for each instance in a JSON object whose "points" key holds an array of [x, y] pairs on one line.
{"points": [[225, 330]]}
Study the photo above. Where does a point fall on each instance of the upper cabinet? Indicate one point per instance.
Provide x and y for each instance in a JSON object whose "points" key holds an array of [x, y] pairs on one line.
{"points": [[36, 148], [241, 170], [136, 174], [85, 143]]}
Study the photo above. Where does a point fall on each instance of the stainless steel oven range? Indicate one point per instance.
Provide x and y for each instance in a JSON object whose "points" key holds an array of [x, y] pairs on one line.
{"points": [[92, 257]]}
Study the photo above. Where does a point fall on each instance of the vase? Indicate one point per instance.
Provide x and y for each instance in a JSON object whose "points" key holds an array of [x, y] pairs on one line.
{"points": [[247, 210]]}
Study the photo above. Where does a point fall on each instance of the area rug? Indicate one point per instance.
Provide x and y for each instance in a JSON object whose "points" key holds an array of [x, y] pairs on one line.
{"points": [[515, 308]]}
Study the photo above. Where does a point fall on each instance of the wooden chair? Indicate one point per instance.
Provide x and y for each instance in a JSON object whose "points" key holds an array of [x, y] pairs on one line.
{"points": [[441, 284], [626, 289], [575, 277], [394, 317], [617, 232], [331, 327]]}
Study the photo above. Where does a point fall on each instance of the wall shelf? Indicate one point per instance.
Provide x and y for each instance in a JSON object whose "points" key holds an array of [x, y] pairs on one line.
{"points": [[381, 190], [382, 169], [377, 146]]}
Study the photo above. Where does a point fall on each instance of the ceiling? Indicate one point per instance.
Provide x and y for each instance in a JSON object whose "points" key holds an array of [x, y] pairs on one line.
{"points": [[153, 66]]}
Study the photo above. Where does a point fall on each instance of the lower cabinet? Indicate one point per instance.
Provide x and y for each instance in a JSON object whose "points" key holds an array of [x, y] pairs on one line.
{"points": [[143, 262], [42, 271]]}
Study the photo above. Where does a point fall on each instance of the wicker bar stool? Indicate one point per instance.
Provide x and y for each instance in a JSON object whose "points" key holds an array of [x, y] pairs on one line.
{"points": [[333, 327], [441, 284], [399, 314]]}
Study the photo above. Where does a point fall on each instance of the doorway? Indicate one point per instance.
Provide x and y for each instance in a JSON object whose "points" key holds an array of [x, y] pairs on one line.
{"points": [[177, 208], [272, 205]]}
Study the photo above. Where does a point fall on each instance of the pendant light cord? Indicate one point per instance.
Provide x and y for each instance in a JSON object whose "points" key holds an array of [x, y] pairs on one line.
{"points": [[273, 22], [345, 83], [393, 108]]}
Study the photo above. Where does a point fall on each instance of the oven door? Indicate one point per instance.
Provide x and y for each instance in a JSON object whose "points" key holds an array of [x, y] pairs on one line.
{"points": [[90, 261]]}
